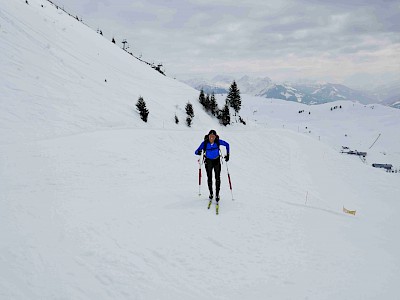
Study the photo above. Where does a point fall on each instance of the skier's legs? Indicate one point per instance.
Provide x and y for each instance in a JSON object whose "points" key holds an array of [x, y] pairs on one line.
{"points": [[209, 167], [217, 170]]}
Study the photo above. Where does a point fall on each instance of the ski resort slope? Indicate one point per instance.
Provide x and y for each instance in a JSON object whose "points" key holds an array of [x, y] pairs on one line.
{"points": [[368, 128], [100, 215], [96, 204]]}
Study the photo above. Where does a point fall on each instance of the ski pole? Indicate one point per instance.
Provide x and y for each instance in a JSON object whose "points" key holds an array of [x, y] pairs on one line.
{"points": [[200, 163], [229, 179], [229, 176]]}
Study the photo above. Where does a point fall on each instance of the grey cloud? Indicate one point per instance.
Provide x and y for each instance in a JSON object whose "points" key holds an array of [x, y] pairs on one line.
{"points": [[221, 32]]}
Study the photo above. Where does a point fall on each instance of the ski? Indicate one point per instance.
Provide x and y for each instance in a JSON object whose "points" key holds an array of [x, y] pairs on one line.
{"points": [[216, 206]]}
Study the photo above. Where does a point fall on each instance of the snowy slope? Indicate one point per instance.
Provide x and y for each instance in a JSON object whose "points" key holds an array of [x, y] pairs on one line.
{"points": [[354, 125], [87, 217], [53, 78], [96, 204]]}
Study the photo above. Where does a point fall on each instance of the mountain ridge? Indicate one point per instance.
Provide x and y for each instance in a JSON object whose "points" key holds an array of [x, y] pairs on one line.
{"points": [[307, 93]]}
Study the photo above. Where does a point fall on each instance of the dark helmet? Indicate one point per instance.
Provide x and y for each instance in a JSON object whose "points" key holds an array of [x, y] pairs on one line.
{"points": [[213, 132]]}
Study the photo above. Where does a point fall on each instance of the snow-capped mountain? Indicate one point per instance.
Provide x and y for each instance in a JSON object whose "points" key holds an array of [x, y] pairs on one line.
{"points": [[388, 95], [250, 86], [207, 86], [314, 93], [301, 92], [220, 84], [395, 104]]}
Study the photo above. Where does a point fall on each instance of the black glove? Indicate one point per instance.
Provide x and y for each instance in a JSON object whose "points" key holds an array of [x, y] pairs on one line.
{"points": [[227, 157], [198, 152]]}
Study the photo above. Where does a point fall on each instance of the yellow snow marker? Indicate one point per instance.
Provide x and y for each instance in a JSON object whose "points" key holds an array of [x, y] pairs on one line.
{"points": [[351, 212]]}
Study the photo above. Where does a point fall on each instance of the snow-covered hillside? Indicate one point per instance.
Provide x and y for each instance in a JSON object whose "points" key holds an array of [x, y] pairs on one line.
{"points": [[59, 77], [96, 204], [341, 123]]}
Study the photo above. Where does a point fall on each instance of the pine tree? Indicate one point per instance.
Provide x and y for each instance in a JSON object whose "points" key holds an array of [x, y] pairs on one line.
{"points": [[189, 110], [190, 113], [202, 98], [233, 97], [207, 103], [213, 105], [176, 120], [225, 117], [141, 107], [189, 121]]}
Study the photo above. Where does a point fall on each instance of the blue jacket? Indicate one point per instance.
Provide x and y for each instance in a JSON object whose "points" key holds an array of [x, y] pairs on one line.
{"points": [[212, 151]]}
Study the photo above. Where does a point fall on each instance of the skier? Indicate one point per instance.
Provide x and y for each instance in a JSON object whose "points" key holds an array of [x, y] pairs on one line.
{"points": [[210, 146]]}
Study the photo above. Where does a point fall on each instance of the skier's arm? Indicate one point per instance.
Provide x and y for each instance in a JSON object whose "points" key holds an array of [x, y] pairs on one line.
{"points": [[223, 143], [198, 150]]}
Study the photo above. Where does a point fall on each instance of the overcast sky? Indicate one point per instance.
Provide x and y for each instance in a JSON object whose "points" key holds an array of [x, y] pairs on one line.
{"points": [[355, 42]]}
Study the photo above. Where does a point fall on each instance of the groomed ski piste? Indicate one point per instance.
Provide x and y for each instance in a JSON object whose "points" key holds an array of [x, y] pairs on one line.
{"points": [[97, 204]]}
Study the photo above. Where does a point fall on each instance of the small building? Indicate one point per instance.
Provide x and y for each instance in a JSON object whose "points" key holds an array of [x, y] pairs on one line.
{"points": [[363, 154], [354, 152], [383, 166]]}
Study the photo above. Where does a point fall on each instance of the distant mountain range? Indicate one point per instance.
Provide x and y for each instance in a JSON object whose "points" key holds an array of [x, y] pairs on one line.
{"points": [[307, 93], [395, 104], [389, 95]]}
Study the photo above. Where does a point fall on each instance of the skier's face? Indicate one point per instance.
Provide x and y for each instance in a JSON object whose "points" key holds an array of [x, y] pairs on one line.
{"points": [[211, 138]]}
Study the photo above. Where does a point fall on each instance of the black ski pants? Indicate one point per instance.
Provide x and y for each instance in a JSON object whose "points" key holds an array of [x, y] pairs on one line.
{"points": [[216, 165]]}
